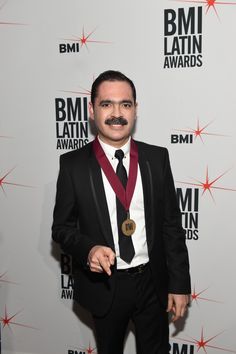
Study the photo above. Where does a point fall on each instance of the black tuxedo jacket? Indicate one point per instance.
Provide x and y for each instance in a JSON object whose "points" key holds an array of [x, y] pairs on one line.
{"points": [[81, 221]]}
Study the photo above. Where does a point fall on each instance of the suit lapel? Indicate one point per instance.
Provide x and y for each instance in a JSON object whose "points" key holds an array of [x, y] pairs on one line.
{"points": [[147, 183], [96, 183]]}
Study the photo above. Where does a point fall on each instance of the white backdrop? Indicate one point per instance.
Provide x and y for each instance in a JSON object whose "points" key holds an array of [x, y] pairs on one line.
{"points": [[50, 53]]}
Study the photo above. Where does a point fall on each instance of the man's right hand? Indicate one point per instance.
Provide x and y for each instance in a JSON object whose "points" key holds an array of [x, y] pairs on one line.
{"points": [[100, 259]]}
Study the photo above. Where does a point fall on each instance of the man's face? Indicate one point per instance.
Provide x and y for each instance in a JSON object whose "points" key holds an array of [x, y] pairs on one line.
{"points": [[114, 112]]}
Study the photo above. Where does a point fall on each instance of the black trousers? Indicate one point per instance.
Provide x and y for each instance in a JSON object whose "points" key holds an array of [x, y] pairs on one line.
{"points": [[134, 299]]}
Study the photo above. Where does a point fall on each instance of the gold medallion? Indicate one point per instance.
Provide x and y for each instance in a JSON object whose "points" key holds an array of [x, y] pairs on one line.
{"points": [[128, 227]]}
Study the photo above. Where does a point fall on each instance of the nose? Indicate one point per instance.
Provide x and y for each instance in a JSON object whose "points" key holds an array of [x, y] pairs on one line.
{"points": [[116, 110]]}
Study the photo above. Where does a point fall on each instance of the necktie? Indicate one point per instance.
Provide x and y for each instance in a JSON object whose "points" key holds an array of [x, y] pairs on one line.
{"points": [[125, 242]]}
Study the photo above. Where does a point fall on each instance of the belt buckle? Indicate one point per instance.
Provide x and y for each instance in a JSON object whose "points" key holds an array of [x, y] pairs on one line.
{"points": [[140, 268]]}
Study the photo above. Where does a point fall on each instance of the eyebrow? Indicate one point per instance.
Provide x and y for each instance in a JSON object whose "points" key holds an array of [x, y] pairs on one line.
{"points": [[120, 102]]}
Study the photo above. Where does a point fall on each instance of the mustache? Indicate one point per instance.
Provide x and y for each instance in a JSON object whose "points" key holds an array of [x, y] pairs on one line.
{"points": [[116, 121]]}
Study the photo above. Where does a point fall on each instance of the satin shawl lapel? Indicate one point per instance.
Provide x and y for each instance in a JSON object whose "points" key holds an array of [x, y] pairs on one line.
{"points": [[96, 183], [147, 182]]}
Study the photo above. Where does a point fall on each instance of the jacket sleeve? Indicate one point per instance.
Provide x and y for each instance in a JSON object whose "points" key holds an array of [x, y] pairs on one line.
{"points": [[174, 237], [65, 228]]}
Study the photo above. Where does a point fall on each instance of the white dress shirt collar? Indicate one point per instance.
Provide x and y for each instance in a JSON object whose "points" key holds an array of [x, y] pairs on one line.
{"points": [[110, 150]]}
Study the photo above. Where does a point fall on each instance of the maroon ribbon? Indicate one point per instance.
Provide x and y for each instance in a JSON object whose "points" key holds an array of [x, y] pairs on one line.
{"points": [[124, 195]]}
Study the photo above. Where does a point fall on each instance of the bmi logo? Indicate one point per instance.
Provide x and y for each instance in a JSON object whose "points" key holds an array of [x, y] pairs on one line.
{"points": [[209, 4], [176, 348], [191, 134], [84, 350], [189, 205], [72, 127], [198, 296], [202, 344], [183, 32], [67, 283], [188, 199], [183, 38], [76, 43], [207, 185]]}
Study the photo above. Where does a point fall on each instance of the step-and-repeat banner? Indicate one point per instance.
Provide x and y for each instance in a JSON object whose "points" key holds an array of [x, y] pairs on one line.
{"points": [[181, 55]]}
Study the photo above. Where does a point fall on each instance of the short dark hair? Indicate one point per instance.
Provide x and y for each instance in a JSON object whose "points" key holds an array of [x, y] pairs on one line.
{"points": [[110, 75]]}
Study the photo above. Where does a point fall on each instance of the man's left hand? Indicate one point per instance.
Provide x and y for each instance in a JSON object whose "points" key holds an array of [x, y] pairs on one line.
{"points": [[177, 303]]}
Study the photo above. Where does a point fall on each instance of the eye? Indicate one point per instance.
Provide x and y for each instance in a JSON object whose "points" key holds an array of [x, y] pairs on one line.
{"points": [[105, 104], [127, 104]]}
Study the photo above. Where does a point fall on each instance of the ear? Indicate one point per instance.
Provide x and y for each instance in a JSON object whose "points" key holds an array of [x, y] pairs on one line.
{"points": [[136, 110], [91, 111]]}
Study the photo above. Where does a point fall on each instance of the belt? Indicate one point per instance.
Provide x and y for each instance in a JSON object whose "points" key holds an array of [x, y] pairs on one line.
{"points": [[134, 270]]}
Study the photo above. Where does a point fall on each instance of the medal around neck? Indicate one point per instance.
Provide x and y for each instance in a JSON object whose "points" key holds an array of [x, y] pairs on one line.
{"points": [[128, 227]]}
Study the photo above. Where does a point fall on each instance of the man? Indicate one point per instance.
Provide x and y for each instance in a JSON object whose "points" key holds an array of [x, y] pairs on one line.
{"points": [[116, 213]]}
